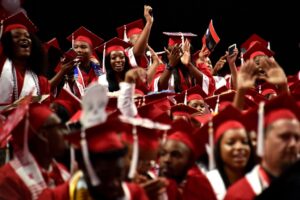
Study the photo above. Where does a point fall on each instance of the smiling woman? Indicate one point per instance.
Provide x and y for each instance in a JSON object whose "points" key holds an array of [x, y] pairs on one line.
{"points": [[22, 61]]}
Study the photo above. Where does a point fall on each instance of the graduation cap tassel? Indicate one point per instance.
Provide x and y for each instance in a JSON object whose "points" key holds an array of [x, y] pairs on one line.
{"points": [[210, 147], [7, 156], [1, 28], [260, 130], [73, 41], [72, 160], [125, 38], [85, 152], [135, 154], [242, 58], [25, 141], [182, 40], [269, 45], [185, 98], [103, 59], [217, 105]]}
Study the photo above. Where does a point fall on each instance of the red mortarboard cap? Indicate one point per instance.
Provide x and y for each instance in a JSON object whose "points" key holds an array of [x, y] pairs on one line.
{"points": [[195, 92], [221, 90], [115, 44], [257, 50], [155, 108], [69, 101], [135, 27], [19, 20], [183, 131], [101, 138], [202, 119], [267, 88], [295, 87], [210, 39], [38, 114], [229, 118], [293, 78], [178, 37], [276, 108], [85, 35], [251, 40], [148, 138], [157, 96], [226, 99], [52, 43], [182, 110], [253, 95]]}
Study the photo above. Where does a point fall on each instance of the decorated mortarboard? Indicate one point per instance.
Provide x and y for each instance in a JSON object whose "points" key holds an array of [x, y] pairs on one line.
{"points": [[251, 41], [94, 103], [127, 30], [18, 21], [178, 37], [257, 49], [210, 39], [69, 101], [85, 35]]}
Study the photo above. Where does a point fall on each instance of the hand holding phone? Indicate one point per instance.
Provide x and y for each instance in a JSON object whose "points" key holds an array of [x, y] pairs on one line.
{"points": [[231, 49]]}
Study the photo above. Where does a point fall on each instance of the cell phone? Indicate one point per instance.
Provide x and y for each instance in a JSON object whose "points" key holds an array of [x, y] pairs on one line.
{"points": [[70, 54], [231, 49]]}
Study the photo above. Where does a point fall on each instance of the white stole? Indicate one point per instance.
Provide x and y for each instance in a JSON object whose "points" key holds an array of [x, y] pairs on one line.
{"points": [[9, 83]]}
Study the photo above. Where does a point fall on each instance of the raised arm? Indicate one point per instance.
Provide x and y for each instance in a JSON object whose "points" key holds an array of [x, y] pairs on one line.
{"points": [[140, 46]]}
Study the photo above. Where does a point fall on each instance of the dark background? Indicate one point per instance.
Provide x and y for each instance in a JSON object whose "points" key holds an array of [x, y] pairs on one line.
{"points": [[234, 21]]}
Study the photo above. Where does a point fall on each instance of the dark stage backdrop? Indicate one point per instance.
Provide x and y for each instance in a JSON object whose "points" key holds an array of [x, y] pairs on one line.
{"points": [[276, 21]]}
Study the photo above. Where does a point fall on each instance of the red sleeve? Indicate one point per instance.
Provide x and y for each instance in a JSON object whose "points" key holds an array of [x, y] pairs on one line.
{"points": [[11, 186], [159, 70], [198, 187], [59, 193], [205, 70], [137, 193], [241, 190]]}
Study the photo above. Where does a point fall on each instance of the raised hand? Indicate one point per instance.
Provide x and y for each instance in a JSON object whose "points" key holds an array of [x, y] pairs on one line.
{"points": [[274, 73], [148, 13], [186, 57], [174, 55], [220, 64], [232, 58], [247, 75], [135, 74]]}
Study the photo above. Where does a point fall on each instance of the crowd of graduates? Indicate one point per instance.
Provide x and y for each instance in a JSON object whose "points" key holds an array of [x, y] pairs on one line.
{"points": [[117, 120]]}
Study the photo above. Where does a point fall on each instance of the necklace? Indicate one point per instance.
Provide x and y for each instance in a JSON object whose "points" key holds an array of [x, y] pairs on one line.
{"points": [[15, 82]]}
